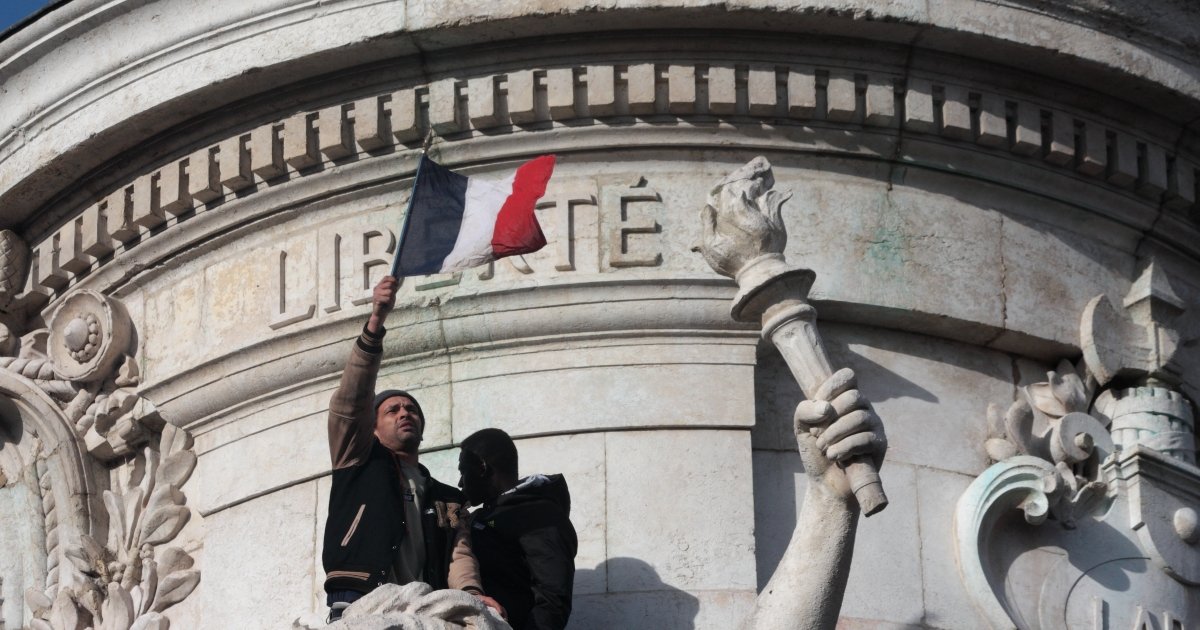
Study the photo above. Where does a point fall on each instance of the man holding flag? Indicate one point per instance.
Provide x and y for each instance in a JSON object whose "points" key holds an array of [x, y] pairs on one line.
{"points": [[389, 520]]}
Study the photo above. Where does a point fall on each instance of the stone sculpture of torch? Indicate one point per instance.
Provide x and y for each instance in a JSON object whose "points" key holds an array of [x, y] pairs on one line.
{"points": [[744, 237]]}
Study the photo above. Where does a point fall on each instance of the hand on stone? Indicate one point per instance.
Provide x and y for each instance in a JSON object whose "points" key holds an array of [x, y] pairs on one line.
{"points": [[742, 220], [383, 298], [836, 424]]}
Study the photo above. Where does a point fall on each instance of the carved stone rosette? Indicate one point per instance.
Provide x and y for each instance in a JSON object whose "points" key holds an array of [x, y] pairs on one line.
{"points": [[1115, 471], [84, 360]]}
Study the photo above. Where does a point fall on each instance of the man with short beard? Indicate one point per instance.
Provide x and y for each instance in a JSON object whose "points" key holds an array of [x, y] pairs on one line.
{"points": [[389, 520]]}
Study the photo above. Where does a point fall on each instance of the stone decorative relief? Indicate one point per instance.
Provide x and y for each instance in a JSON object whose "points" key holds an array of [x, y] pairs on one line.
{"points": [[84, 361], [128, 580], [1096, 493], [414, 606], [457, 107], [74, 383], [14, 265]]}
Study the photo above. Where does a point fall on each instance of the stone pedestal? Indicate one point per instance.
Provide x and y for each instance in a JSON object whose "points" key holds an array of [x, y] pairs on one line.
{"points": [[966, 177]]}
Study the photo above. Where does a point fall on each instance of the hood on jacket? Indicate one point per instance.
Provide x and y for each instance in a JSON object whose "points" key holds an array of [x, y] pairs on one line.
{"points": [[551, 488]]}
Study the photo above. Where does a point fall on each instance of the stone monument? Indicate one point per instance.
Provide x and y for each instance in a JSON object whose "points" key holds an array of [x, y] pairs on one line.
{"points": [[196, 204]]}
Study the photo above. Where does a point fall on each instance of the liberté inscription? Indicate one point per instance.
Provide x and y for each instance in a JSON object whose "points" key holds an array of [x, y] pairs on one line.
{"points": [[589, 228]]}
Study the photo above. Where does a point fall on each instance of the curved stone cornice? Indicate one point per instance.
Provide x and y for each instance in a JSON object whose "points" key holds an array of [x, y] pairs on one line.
{"points": [[866, 108]]}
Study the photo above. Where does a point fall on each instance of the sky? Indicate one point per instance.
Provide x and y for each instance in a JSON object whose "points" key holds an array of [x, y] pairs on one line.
{"points": [[12, 11]]}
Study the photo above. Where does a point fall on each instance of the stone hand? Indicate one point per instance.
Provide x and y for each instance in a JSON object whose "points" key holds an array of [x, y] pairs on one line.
{"points": [[742, 219], [837, 424]]}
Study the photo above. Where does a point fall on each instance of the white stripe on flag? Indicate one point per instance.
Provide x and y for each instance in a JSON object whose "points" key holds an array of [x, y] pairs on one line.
{"points": [[482, 203]]}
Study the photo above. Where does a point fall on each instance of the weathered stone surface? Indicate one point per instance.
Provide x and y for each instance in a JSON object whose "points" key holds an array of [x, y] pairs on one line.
{"points": [[667, 608], [1084, 269], [280, 454], [943, 591], [267, 541], [692, 554], [655, 395], [927, 390], [886, 591]]}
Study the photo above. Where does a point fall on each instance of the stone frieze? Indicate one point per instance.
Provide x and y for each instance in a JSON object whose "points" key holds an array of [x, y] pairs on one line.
{"points": [[457, 108]]}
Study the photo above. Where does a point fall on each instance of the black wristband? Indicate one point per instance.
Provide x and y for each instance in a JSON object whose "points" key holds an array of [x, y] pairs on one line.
{"points": [[374, 336], [369, 342]]}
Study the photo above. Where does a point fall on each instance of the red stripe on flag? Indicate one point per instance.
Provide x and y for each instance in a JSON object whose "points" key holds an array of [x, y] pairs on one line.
{"points": [[517, 230]]}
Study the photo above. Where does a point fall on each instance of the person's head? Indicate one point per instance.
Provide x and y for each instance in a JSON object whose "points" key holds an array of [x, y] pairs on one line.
{"points": [[487, 464], [399, 421]]}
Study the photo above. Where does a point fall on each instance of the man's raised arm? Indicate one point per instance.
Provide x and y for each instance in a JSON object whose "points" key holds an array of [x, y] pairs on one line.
{"points": [[351, 416]]}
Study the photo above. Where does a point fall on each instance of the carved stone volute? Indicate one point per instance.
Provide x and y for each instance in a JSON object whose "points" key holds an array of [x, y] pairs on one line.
{"points": [[1115, 469]]}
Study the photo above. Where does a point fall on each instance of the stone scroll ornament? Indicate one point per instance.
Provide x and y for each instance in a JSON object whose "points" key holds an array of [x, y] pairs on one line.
{"points": [[83, 359], [744, 238], [124, 573], [1094, 496]]}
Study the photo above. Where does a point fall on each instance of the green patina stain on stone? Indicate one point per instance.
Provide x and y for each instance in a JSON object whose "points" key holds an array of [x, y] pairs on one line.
{"points": [[887, 247]]}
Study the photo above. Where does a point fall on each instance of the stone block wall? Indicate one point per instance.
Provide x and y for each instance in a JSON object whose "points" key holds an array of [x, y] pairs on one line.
{"points": [[966, 179]]}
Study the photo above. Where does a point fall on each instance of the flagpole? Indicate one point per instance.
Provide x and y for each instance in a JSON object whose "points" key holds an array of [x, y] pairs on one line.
{"points": [[408, 211]]}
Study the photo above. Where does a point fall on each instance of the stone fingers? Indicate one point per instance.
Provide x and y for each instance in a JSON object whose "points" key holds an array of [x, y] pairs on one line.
{"points": [[849, 401], [858, 444], [858, 421], [811, 413], [839, 382]]}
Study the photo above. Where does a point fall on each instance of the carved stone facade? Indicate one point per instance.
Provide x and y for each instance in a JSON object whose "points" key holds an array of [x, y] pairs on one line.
{"points": [[1108, 480], [998, 200]]}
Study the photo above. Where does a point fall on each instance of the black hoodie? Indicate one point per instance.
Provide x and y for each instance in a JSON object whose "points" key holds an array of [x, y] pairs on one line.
{"points": [[526, 547]]}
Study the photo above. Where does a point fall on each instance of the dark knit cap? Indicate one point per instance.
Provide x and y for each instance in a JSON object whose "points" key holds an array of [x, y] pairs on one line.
{"points": [[390, 393]]}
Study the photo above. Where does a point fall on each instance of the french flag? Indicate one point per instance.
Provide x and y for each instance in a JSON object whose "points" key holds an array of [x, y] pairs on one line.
{"points": [[457, 222]]}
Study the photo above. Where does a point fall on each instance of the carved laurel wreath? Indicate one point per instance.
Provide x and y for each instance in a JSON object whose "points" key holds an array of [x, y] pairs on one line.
{"points": [[127, 583]]}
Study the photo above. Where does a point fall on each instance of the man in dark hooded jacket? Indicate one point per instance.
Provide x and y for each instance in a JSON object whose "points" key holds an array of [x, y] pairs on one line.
{"points": [[522, 536]]}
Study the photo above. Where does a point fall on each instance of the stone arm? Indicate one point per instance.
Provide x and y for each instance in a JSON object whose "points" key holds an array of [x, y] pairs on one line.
{"points": [[840, 439], [806, 589]]}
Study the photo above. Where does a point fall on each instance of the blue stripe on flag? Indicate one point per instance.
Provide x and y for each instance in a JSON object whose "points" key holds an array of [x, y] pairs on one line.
{"points": [[439, 196]]}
